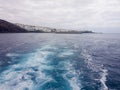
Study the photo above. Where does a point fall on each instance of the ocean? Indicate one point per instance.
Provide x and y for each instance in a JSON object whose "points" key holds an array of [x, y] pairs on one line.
{"points": [[34, 61]]}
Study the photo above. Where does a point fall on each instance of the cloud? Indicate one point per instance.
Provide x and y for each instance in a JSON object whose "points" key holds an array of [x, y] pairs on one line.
{"points": [[75, 14]]}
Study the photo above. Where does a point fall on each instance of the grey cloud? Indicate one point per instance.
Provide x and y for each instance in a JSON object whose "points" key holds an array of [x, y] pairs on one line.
{"points": [[69, 14]]}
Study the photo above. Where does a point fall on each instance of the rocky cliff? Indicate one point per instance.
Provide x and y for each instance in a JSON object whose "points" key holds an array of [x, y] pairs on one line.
{"points": [[6, 26]]}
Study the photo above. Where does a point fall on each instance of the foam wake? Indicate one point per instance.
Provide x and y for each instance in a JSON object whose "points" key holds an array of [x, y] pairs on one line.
{"points": [[45, 69], [96, 68]]}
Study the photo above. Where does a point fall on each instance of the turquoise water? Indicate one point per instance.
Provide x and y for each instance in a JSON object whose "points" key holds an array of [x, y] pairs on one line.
{"points": [[59, 62]]}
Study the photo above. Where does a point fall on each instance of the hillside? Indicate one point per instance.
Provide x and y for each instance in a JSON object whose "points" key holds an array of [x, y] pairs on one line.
{"points": [[32, 28], [6, 26]]}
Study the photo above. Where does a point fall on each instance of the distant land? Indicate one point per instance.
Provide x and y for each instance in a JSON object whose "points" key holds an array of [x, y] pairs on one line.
{"points": [[8, 27]]}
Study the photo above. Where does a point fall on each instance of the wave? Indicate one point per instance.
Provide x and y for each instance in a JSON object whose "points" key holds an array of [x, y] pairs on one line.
{"points": [[103, 79], [40, 70], [12, 54], [102, 72]]}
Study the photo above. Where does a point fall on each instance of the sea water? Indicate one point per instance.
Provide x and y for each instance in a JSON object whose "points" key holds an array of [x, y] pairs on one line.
{"points": [[59, 61]]}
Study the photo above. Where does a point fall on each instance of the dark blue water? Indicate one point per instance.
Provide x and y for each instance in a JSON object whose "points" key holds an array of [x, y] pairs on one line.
{"points": [[59, 62]]}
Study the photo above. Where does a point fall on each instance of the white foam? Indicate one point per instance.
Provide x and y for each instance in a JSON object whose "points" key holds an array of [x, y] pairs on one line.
{"points": [[73, 77], [13, 81], [96, 68], [103, 79], [66, 53], [89, 61], [73, 83], [46, 47], [37, 59], [12, 55]]}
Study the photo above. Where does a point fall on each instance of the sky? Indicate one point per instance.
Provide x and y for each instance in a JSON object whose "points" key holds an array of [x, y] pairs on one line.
{"points": [[95, 15]]}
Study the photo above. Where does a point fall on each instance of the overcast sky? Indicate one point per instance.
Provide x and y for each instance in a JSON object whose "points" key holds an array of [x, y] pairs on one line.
{"points": [[97, 15]]}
